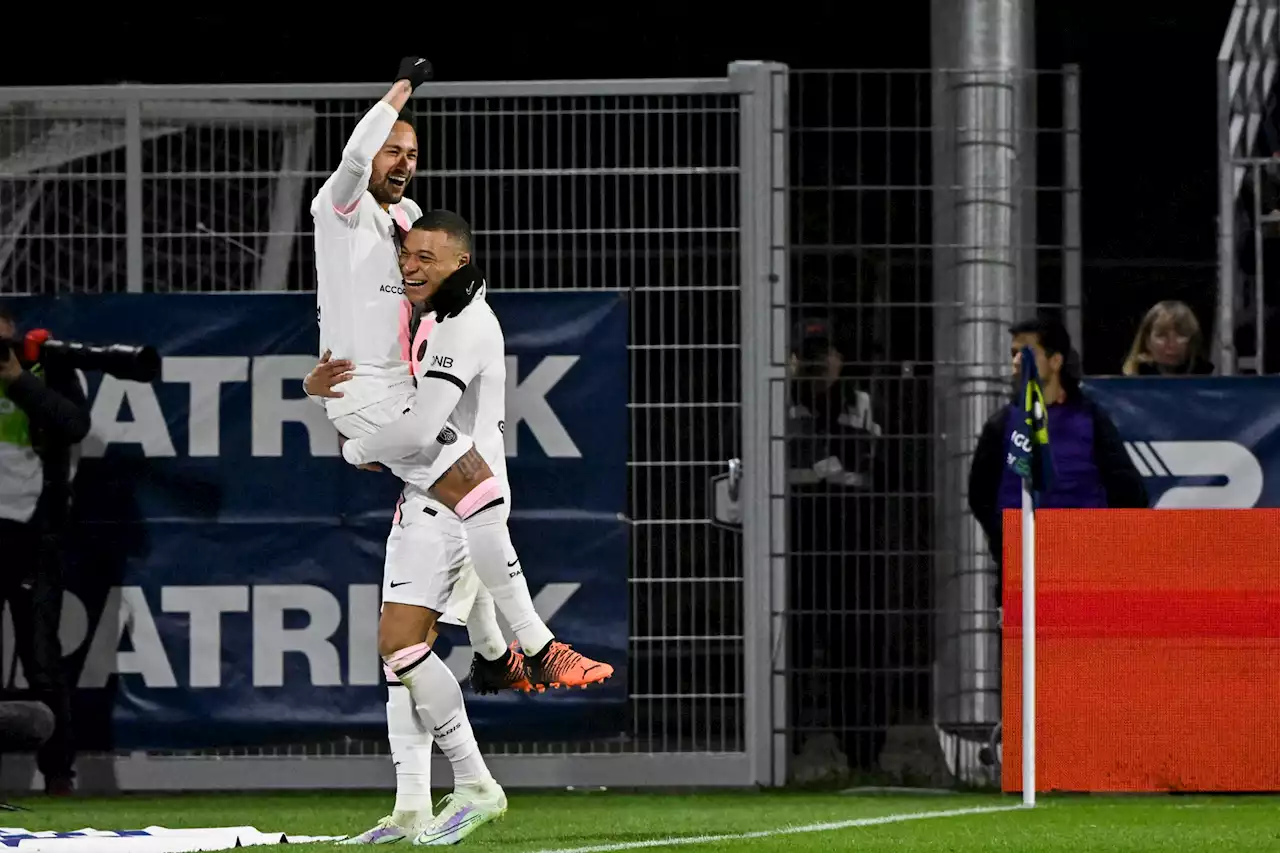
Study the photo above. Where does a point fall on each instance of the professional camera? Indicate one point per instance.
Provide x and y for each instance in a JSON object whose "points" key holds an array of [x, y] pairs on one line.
{"points": [[139, 364]]}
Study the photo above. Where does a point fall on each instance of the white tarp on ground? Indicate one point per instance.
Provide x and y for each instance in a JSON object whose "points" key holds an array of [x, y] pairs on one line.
{"points": [[153, 839]]}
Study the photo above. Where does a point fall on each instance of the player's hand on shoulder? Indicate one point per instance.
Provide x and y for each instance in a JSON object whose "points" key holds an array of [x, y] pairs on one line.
{"points": [[326, 374]]}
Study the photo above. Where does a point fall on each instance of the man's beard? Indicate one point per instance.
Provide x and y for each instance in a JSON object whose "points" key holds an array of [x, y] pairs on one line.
{"points": [[385, 193]]}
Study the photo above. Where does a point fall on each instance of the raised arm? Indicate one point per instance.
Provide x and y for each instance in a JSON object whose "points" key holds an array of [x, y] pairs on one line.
{"points": [[347, 184], [345, 187]]}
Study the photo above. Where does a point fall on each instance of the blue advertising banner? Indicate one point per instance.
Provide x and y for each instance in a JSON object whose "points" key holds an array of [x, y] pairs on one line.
{"points": [[1202, 443], [226, 564]]}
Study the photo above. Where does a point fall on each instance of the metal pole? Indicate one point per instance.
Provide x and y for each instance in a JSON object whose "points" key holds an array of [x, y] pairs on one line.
{"points": [[1259, 275], [1225, 333], [1072, 251], [133, 194], [986, 93], [763, 496]]}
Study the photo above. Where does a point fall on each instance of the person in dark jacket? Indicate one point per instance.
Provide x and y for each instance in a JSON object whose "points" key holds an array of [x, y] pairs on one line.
{"points": [[837, 595], [43, 415], [1091, 468]]}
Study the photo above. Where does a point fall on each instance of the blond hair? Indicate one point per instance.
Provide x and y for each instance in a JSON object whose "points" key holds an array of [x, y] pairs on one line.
{"points": [[1183, 320]]}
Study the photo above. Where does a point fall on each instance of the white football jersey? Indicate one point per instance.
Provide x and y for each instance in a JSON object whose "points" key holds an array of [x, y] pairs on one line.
{"points": [[469, 351], [358, 295]]}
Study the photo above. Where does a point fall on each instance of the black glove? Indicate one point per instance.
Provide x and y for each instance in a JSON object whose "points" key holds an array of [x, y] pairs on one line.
{"points": [[414, 69], [457, 291]]}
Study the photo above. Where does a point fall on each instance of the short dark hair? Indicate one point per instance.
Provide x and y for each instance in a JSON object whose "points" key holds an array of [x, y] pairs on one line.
{"points": [[1049, 331], [448, 222]]}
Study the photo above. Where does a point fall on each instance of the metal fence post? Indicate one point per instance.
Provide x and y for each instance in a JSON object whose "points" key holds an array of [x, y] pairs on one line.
{"points": [[763, 247], [1072, 251], [133, 194]]}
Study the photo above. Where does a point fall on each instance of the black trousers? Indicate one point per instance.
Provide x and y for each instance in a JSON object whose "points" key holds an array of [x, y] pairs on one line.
{"points": [[31, 581], [838, 626]]}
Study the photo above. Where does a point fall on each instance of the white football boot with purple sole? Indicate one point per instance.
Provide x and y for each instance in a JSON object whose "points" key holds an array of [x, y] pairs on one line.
{"points": [[391, 829], [462, 813]]}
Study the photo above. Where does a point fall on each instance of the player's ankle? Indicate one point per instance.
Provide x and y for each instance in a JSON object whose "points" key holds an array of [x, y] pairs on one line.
{"points": [[540, 653]]}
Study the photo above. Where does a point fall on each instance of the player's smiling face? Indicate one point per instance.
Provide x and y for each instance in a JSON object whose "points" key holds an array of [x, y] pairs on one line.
{"points": [[394, 165], [427, 258]]}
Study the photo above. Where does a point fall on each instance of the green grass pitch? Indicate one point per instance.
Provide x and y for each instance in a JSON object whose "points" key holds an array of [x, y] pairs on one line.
{"points": [[539, 821]]}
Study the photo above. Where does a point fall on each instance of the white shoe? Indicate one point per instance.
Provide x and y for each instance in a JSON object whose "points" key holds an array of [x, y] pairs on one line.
{"points": [[462, 813], [391, 829]]}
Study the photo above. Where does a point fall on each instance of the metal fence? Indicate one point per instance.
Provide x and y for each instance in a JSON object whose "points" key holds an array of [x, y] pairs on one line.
{"points": [[662, 189], [893, 622], [736, 213]]}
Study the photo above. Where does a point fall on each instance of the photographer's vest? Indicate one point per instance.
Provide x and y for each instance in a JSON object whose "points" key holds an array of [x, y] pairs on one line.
{"points": [[21, 471]]}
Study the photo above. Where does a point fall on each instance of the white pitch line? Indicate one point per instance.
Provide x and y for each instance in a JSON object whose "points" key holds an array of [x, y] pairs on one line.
{"points": [[681, 840]]}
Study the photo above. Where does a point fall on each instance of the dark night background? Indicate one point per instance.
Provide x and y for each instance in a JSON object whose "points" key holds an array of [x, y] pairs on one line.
{"points": [[1148, 90]]}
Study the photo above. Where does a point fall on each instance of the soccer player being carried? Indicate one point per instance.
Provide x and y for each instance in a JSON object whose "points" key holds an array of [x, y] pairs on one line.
{"points": [[452, 515]]}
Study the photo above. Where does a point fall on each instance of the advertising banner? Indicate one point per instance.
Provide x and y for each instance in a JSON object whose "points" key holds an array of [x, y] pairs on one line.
{"points": [[225, 563], [1157, 650], [1211, 443]]}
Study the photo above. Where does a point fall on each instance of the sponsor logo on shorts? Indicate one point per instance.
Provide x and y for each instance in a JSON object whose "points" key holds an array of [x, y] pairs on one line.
{"points": [[447, 436]]}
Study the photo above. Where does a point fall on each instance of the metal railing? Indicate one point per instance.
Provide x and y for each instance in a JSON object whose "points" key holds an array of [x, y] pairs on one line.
{"points": [[1247, 65]]}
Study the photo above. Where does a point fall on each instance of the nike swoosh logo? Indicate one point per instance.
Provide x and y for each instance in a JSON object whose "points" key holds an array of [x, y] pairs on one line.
{"points": [[512, 563], [402, 583]]}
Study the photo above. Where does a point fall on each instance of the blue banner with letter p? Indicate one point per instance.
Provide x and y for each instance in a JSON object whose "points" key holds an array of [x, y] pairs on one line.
{"points": [[226, 564], [1199, 443]]}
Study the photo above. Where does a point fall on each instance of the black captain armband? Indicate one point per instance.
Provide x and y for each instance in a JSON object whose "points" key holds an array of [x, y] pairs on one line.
{"points": [[457, 291]]}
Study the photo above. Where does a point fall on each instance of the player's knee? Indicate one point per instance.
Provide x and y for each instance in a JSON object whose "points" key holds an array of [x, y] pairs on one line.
{"points": [[402, 627]]}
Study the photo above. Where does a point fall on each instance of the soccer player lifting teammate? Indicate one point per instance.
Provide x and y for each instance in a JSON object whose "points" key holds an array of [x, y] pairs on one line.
{"points": [[454, 505]]}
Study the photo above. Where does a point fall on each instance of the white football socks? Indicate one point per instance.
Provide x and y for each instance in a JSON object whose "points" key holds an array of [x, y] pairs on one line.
{"points": [[483, 629], [410, 751], [500, 571], [438, 697]]}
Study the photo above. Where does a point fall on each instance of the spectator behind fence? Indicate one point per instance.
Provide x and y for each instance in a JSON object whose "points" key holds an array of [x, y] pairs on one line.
{"points": [[1168, 343], [838, 625], [1091, 468], [43, 414]]}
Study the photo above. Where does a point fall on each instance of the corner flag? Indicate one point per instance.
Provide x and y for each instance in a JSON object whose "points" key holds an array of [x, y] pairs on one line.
{"points": [[1028, 454], [1028, 457]]}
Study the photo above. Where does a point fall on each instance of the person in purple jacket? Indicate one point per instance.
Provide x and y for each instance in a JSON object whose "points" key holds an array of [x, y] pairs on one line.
{"points": [[1091, 468]]}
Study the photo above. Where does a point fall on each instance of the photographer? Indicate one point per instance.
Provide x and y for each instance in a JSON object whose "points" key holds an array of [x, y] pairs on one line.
{"points": [[43, 414]]}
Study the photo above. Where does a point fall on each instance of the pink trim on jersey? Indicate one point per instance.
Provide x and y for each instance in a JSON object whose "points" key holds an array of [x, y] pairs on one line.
{"points": [[390, 673], [401, 218], [346, 210], [398, 661], [482, 495], [425, 325], [406, 314]]}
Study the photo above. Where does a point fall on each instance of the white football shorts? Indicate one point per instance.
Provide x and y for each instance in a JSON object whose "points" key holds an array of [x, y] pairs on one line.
{"points": [[422, 470], [428, 563]]}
